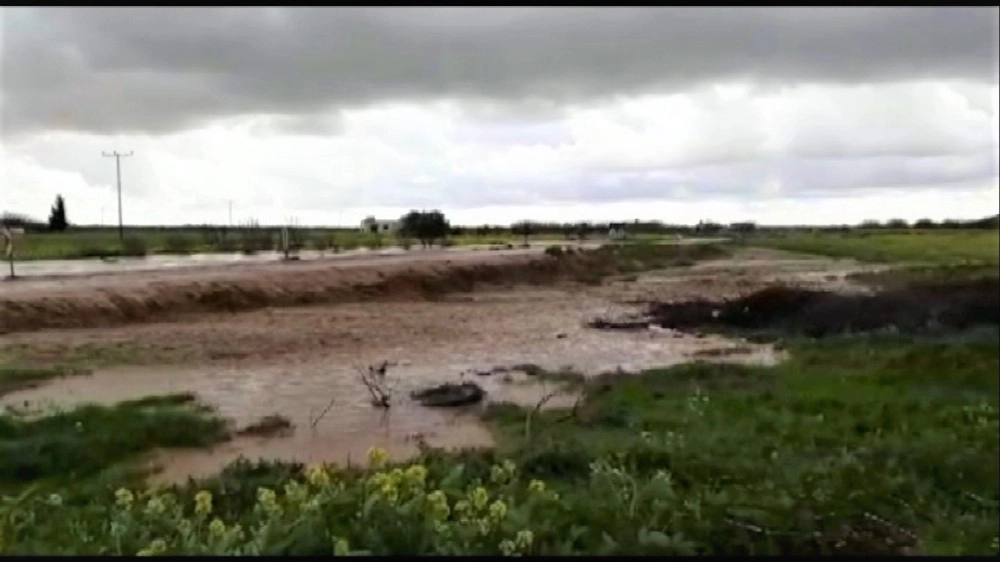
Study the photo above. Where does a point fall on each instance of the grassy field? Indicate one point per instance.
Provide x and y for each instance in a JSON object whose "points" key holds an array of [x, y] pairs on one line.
{"points": [[94, 243], [936, 247]]}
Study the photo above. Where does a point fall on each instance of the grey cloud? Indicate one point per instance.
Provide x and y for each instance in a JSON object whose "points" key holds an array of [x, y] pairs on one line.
{"points": [[798, 177], [163, 69]]}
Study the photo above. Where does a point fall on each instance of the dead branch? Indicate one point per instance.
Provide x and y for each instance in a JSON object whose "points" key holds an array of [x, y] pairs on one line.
{"points": [[533, 413], [314, 421], [380, 397], [572, 415]]}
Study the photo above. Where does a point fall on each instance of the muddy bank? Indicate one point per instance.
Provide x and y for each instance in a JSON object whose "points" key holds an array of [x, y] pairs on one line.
{"points": [[917, 308], [163, 301], [316, 284]]}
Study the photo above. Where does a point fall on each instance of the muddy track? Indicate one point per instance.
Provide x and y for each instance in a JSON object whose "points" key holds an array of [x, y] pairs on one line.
{"points": [[94, 306]]}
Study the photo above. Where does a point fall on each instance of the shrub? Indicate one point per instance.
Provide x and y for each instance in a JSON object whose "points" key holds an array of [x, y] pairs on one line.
{"points": [[179, 243], [554, 251], [134, 246]]}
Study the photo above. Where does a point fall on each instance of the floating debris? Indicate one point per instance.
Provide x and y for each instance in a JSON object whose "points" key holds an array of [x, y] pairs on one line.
{"points": [[450, 395]]}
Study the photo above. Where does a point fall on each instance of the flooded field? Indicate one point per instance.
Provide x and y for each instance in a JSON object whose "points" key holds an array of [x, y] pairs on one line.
{"points": [[297, 362]]}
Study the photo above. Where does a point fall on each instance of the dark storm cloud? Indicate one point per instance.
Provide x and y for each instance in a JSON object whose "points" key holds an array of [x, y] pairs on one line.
{"points": [[155, 70]]}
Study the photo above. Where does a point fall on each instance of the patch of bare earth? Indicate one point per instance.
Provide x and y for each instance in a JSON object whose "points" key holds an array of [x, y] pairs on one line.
{"points": [[297, 361]]}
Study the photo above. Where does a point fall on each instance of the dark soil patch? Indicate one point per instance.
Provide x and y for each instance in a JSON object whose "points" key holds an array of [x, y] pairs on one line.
{"points": [[450, 395], [722, 352], [267, 427], [951, 305], [603, 324]]}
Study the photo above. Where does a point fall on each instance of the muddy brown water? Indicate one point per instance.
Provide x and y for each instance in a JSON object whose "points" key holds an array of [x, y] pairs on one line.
{"points": [[293, 361], [301, 391]]}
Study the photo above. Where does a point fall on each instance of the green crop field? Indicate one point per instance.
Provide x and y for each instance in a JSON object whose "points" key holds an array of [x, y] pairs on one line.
{"points": [[922, 246]]}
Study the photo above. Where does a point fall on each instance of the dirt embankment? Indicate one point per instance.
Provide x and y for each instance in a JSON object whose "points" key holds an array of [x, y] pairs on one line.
{"points": [[919, 307], [89, 307]]}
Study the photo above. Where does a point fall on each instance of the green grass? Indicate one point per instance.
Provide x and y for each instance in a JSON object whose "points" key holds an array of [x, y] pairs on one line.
{"points": [[74, 445], [903, 429], [932, 247], [643, 255], [16, 377], [908, 275], [94, 243]]}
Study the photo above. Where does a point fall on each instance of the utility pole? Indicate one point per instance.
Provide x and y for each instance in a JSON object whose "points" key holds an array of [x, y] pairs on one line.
{"points": [[118, 170]]}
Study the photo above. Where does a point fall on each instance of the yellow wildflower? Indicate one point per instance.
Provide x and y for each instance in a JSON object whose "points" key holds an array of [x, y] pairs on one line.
{"points": [[158, 546], [341, 547], [463, 509], [396, 476], [389, 493], [377, 457], [484, 526], [507, 547], [437, 503], [416, 475], [124, 498], [479, 498], [536, 487], [203, 502], [236, 532], [55, 500], [295, 492], [498, 510], [155, 506], [509, 467], [524, 539], [267, 499], [217, 528], [379, 480], [497, 474], [317, 475]]}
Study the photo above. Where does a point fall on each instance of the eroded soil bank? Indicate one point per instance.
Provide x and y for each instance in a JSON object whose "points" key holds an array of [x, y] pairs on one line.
{"points": [[953, 305]]}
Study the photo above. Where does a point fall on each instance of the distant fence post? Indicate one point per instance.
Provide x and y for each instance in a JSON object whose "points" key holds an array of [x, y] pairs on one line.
{"points": [[8, 236]]}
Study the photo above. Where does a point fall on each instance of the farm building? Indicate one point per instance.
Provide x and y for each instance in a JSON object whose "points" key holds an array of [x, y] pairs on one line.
{"points": [[616, 230], [371, 224]]}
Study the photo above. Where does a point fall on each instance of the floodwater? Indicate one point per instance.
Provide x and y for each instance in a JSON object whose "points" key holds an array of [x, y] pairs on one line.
{"points": [[294, 361], [301, 391]]}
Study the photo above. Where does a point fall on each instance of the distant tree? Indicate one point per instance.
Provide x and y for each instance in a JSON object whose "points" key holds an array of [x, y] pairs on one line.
{"points": [[743, 227], [425, 226], [708, 227], [583, 229], [897, 224], [871, 223], [57, 218], [924, 223], [523, 228], [567, 231]]}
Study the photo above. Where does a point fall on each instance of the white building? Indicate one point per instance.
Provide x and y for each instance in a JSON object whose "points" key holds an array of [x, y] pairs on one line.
{"points": [[616, 231], [372, 224]]}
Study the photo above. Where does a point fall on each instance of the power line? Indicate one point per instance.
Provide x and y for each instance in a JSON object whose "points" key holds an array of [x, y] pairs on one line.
{"points": [[118, 169]]}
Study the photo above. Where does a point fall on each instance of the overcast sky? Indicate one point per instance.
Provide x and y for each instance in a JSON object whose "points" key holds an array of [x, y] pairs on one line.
{"points": [[778, 115]]}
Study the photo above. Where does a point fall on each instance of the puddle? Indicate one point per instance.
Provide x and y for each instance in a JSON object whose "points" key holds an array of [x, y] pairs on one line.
{"points": [[301, 391]]}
